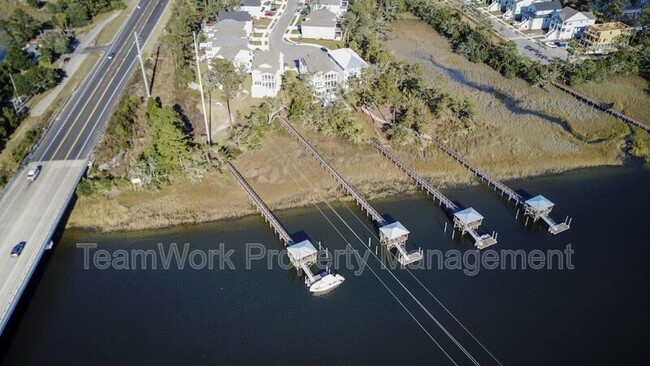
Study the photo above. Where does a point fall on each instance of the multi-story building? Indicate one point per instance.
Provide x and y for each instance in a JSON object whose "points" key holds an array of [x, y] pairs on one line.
{"points": [[569, 23], [606, 36], [320, 24], [266, 74]]}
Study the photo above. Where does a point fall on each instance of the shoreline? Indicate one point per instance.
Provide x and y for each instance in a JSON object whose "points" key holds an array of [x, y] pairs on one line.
{"points": [[218, 198]]}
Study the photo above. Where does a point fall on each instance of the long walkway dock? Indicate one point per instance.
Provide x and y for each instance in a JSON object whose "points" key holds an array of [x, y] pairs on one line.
{"points": [[303, 254], [460, 216], [600, 106], [347, 187], [392, 235], [537, 207], [261, 207]]}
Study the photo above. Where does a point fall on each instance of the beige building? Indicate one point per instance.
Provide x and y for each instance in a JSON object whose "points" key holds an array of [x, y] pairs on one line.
{"points": [[606, 36]]}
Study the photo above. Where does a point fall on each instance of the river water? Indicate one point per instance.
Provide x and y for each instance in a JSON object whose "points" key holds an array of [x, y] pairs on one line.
{"points": [[595, 313]]}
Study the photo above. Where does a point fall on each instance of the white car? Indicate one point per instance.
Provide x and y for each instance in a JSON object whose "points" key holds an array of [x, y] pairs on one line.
{"points": [[551, 44], [33, 173]]}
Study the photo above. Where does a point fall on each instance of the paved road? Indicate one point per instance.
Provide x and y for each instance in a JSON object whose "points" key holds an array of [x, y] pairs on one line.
{"points": [[31, 211], [291, 51], [77, 129], [76, 59]]}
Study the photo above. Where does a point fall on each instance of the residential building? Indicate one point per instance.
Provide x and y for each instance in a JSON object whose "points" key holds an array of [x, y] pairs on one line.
{"points": [[538, 15], [338, 7], [569, 23], [515, 8], [606, 36], [320, 24], [266, 73], [322, 73], [240, 16], [253, 7], [228, 39], [349, 62]]}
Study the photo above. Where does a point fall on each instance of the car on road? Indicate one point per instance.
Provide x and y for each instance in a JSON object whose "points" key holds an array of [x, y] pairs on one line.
{"points": [[17, 249], [32, 174], [111, 55]]}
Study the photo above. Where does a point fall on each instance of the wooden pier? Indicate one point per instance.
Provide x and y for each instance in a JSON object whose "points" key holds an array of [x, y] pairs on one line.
{"points": [[261, 207], [459, 218], [391, 235], [303, 254], [505, 190], [601, 107], [529, 206]]}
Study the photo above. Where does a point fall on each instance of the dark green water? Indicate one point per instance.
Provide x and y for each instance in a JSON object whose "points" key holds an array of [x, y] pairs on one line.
{"points": [[594, 314]]}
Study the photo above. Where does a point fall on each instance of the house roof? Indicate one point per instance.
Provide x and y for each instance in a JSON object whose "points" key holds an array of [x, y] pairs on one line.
{"points": [[267, 61], [347, 59], [229, 41], [256, 3], [318, 61], [394, 230], [227, 26], [241, 16], [568, 12], [547, 5], [539, 203], [320, 18], [301, 250], [468, 216], [230, 53]]}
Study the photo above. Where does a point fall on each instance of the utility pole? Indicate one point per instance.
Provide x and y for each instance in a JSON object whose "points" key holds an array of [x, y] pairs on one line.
{"points": [[144, 74], [15, 92], [198, 72]]}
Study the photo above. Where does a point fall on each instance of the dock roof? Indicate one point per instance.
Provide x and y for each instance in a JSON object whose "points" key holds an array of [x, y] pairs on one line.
{"points": [[394, 230], [301, 250], [468, 216], [539, 203]]}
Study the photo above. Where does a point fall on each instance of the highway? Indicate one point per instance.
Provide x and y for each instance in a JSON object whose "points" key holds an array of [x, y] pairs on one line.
{"points": [[31, 211]]}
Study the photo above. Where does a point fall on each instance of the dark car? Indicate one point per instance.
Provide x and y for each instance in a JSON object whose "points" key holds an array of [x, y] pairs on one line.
{"points": [[17, 249]]}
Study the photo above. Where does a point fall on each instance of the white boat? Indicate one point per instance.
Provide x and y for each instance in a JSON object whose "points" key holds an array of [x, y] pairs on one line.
{"points": [[327, 282]]}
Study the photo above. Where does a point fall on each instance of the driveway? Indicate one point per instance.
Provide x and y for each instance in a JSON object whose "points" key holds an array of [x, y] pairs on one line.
{"points": [[291, 51]]}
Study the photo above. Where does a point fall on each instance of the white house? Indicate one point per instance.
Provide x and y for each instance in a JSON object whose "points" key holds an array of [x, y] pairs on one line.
{"points": [[322, 73], [253, 7], [538, 15], [319, 24], [228, 39], [239, 16], [349, 63], [266, 73], [569, 23], [515, 8], [338, 7]]}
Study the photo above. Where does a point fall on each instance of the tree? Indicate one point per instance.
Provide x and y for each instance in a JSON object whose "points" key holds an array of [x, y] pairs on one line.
{"points": [[36, 80], [34, 3], [228, 77], [53, 44], [17, 59], [21, 26], [168, 143]]}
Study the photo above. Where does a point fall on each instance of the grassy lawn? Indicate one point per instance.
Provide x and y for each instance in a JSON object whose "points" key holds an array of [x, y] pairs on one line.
{"points": [[332, 45], [261, 23]]}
